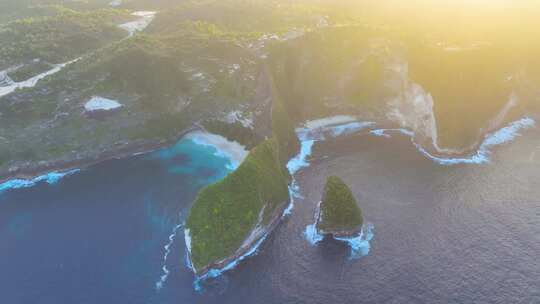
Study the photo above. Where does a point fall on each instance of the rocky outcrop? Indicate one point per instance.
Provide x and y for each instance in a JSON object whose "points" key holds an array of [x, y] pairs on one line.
{"points": [[338, 212], [232, 217]]}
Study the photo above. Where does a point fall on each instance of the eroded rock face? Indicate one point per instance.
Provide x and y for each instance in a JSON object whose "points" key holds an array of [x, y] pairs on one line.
{"points": [[338, 214]]}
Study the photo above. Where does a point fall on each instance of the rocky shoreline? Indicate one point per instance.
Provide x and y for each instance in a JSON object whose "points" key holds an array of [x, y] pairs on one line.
{"points": [[251, 244], [31, 170], [350, 233]]}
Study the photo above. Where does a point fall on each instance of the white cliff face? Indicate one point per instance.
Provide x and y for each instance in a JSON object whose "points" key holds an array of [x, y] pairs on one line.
{"points": [[412, 107]]}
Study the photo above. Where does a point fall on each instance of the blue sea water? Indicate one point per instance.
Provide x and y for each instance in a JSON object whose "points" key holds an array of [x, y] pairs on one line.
{"points": [[113, 233], [98, 235]]}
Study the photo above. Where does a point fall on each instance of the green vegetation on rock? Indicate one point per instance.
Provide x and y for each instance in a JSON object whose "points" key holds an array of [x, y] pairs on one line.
{"points": [[339, 210], [60, 37], [28, 71], [225, 213]]}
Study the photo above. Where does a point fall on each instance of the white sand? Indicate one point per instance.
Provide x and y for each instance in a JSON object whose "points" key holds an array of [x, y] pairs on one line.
{"points": [[230, 149]]}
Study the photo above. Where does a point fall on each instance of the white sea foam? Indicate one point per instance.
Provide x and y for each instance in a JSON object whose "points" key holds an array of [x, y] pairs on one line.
{"points": [[300, 160], [232, 150], [50, 178], [360, 245], [482, 155], [311, 132], [140, 24], [294, 165], [380, 132], [312, 235], [187, 240], [214, 273], [167, 248], [30, 83]]}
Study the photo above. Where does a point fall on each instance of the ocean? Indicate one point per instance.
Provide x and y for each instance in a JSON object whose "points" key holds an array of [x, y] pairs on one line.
{"points": [[442, 232]]}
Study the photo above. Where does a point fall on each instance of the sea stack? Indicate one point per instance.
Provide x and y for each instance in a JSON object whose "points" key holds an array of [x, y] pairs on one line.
{"points": [[339, 214]]}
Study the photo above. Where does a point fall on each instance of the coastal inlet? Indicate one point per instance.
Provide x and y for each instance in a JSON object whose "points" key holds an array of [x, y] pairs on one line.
{"points": [[98, 235]]}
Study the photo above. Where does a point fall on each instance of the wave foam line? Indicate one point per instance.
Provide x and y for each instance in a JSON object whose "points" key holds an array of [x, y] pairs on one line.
{"points": [[50, 178], [214, 273], [482, 155], [360, 245], [167, 248], [232, 150], [312, 132], [294, 165], [312, 235]]}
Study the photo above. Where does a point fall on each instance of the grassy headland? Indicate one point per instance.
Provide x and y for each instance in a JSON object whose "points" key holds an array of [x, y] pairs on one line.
{"points": [[225, 213]]}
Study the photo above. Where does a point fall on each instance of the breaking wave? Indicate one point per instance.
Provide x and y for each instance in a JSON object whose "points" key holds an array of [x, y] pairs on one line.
{"points": [[50, 178], [294, 165], [312, 235], [231, 150], [167, 248], [482, 155], [312, 131], [309, 134], [360, 245], [323, 129], [214, 273]]}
